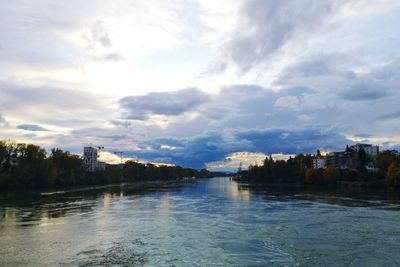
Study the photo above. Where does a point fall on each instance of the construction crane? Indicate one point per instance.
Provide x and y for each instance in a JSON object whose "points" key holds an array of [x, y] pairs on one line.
{"points": [[99, 148], [240, 168]]}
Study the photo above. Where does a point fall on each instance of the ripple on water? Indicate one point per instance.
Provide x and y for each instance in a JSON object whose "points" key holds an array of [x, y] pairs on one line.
{"points": [[118, 253]]}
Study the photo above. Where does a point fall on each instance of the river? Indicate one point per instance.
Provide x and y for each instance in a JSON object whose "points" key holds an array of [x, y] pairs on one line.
{"points": [[205, 222]]}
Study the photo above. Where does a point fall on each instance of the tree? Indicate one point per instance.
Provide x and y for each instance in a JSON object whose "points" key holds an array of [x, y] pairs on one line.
{"points": [[384, 160], [330, 174], [313, 175], [393, 175], [67, 168], [27, 166], [362, 159], [8, 156]]}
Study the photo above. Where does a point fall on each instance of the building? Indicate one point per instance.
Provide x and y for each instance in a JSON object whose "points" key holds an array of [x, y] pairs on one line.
{"points": [[101, 166], [336, 159], [343, 160], [370, 150], [90, 162], [349, 159], [319, 162]]}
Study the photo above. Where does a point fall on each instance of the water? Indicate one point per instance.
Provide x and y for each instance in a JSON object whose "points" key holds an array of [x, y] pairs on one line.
{"points": [[208, 222]]}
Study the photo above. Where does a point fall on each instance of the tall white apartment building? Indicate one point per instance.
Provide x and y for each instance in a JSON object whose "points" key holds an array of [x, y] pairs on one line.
{"points": [[90, 162]]}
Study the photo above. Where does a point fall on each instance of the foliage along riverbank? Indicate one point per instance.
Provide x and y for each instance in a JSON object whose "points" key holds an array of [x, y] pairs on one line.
{"points": [[28, 166], [299, 170]]}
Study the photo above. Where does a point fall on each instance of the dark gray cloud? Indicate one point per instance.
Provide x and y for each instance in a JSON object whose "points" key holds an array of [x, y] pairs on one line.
{"points": [[301, 123], [338, 78], [32, 128], [299, 126], [197, 151], [362, 91], [318, 66], [269, 25], [168, 103], [293, 141], [193, 152], [390, 116]]}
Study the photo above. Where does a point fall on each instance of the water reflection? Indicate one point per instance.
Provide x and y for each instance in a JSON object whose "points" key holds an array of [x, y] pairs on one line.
{"points": [[336, 196], [30, 209], [22, 207], [164, 207], [230, 188], [26, 209], [202, 222]]}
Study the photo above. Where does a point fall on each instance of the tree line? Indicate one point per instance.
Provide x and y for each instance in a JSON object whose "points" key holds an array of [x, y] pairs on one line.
{"points": [[299, 170], [28, 166]]}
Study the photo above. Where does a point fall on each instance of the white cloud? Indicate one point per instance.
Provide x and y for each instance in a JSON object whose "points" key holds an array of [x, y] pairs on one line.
{"points": [[233, 161]]}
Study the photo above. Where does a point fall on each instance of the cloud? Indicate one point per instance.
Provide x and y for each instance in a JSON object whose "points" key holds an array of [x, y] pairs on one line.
{"points": [[292, 141], [221, 124], [311, 74], [363, 135], [267, 26], [317, 66], [239, 118], [232, 161], [32, 128], [390, 116], [36, 103], [349, 96], [99, 35], [198, 151], [364, 91], [167, 103], [3, 121], [110, 57], [191, 152]]}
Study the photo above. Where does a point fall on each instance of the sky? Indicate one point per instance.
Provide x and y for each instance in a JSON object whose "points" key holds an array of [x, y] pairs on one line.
{"points": [[200, 83]]}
